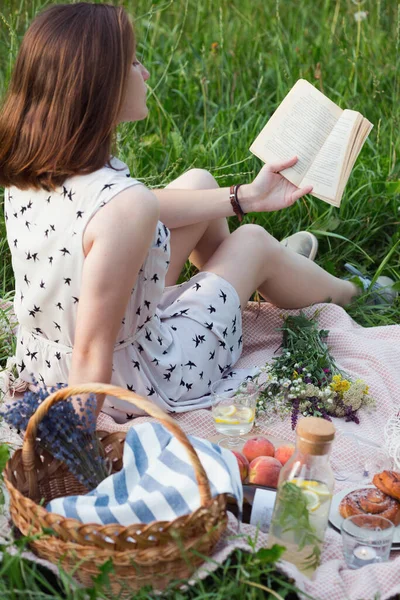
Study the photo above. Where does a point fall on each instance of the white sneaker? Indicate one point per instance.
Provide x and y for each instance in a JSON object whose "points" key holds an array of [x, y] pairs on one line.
{"points": [[302, 242], [381, 292]]}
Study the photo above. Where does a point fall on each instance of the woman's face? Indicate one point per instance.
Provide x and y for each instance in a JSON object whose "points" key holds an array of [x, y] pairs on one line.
{"points": [[134, 106]]}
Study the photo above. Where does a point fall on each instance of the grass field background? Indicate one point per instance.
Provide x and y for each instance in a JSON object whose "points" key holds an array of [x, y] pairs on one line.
{"points": [[218, 71], [219, 68]]}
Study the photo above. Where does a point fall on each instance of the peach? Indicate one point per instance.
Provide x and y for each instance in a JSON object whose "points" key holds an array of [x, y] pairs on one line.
{"points": [[258, 446], [264, 470], [283, 453], [243, 464]]}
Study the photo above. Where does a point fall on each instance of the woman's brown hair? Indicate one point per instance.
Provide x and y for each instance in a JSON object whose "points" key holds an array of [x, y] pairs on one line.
{"points": [[66, 90]]}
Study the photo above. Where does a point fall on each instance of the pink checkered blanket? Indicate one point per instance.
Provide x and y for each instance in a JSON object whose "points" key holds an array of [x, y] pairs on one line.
{"points": [[372, 354]]}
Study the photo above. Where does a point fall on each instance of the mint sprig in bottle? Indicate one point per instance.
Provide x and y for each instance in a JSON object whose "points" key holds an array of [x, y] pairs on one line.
{"points": [[304, 494]]}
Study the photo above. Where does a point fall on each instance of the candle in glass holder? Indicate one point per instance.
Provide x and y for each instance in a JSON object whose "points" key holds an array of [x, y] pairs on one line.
{"points": [[367, 539], [364, 555]]}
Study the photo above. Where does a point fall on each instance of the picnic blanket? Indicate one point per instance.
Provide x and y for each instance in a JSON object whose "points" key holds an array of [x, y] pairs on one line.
{"points": [[370, 353]]}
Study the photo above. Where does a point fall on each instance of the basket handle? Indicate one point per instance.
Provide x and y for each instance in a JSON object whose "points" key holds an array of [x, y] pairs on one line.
{"points": [[28, 448]]}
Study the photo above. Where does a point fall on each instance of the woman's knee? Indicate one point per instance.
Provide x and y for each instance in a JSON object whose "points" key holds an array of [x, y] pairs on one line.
{"points": [[255, 236], [195, 179]]}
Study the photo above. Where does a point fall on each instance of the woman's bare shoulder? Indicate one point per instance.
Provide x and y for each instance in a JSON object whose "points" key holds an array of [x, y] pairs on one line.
{"points": [[128, 211]]}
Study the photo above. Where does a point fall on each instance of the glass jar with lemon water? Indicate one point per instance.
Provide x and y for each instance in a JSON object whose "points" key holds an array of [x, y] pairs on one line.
{"points": [[305, 487]]}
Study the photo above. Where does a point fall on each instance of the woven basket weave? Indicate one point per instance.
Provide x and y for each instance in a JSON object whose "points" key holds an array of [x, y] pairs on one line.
{"points": [[142, 554]]}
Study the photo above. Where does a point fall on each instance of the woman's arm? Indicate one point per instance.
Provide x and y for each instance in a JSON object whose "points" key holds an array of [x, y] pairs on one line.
{"points": [[116, 243], [268, 192], [184, 207]]}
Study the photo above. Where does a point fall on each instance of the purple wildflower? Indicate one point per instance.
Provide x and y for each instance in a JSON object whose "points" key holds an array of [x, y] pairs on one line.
{"points": [[295, 412]]}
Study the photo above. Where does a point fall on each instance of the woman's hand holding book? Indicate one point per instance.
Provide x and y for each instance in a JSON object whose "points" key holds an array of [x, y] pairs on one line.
{"points": [[270, 190]]}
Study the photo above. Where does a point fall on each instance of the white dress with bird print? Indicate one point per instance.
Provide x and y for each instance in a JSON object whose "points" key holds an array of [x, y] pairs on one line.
{"points": [[172, 343]]}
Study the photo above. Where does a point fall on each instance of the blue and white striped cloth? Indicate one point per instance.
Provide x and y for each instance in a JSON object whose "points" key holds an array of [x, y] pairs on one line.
{"points": [[156, 482]]}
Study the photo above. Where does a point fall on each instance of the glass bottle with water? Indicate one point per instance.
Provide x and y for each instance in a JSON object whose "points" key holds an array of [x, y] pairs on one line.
{"points": [[304, 494]]}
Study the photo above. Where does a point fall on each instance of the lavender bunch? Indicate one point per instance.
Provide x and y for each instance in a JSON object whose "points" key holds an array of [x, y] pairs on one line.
{"points": [[67, 433]]}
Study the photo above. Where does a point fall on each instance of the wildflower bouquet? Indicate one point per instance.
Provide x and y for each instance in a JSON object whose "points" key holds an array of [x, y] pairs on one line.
{"points": [[304, 379], [69, 435]]}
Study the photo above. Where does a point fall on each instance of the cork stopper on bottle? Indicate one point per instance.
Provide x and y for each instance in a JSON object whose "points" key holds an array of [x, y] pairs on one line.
{"points": [[314, 435]]}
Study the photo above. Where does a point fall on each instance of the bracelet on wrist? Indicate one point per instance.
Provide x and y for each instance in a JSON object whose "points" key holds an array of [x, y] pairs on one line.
{"points": [[233, 197]]}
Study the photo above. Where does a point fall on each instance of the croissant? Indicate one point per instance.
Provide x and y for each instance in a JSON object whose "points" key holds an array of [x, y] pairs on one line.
{"points": [[370, 501], [388, 482]]}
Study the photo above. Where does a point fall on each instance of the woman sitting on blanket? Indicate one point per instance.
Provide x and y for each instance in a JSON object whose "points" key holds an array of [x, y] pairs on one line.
{"points": [[96, 254]]}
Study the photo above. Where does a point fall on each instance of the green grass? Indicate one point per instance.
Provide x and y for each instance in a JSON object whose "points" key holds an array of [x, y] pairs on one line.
{"points": [[218, 69], [241, 576]]}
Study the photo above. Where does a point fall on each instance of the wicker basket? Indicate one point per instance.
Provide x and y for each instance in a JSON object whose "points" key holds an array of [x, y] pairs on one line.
{"points": [[142, 554]]}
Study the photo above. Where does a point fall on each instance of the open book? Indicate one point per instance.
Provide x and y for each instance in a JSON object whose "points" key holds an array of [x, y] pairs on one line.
{"points": [[326, 139]]}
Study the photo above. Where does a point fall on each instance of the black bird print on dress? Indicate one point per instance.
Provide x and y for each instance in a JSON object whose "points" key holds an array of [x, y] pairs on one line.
{"points": [[107, 186], [222, 295]]}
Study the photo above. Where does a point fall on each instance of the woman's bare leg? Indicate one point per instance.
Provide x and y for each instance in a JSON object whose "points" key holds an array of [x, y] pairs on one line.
{"points": [[250, 259], [197, 242]]}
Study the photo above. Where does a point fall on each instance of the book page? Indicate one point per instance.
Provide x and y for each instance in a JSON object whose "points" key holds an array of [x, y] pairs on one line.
{"points": [[353, 152], [299, 127], [362, 134], [325, 173]]}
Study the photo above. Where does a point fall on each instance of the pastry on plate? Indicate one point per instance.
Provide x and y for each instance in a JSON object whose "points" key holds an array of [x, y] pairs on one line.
{"points": [[370, 501], [389, 483]]}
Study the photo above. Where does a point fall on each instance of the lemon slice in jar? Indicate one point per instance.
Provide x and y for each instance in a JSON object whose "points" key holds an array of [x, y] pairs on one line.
{"points": [[312, 500], [245, 414], [318, 488]]}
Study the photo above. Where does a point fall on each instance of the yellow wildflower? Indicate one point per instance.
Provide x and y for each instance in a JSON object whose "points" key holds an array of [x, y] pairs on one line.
{"points": [[366, 388], [295, 375], [339, 384]]}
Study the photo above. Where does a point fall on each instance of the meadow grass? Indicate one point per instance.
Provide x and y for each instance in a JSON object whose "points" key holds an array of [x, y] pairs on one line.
{"points": [[219, 68]]}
